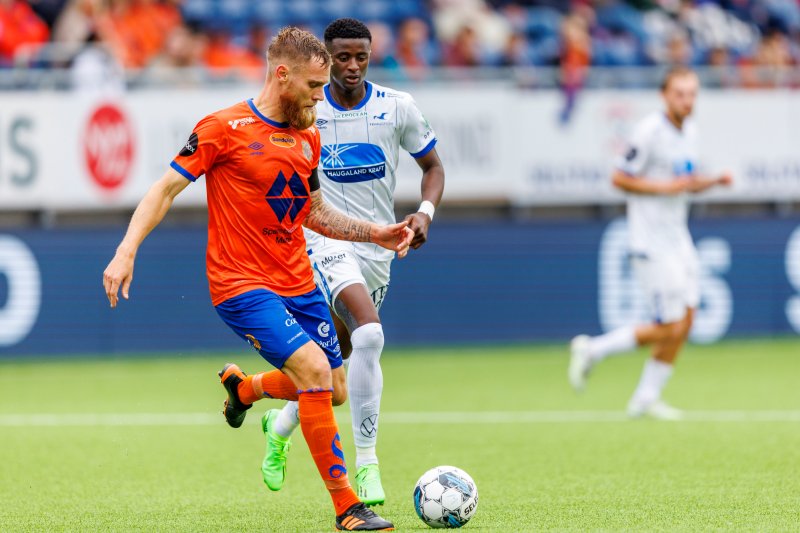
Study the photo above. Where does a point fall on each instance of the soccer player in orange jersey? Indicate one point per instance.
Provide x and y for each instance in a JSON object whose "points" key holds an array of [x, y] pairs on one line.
{"points": [[260, 160]]}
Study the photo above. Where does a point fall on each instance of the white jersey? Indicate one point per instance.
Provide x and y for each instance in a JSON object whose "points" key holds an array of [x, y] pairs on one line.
{"points": [[659, 151], [360, 152]]}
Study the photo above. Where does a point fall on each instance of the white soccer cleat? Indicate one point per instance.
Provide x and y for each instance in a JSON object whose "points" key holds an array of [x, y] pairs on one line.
{"points": [[657, 410], [580, 363]]}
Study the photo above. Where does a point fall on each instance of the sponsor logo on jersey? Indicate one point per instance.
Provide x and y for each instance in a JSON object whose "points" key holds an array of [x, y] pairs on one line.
{"points": [[241, 122], [287, 197], [683, 168], [350, 115], [353, 162], [284, 140], [382, 116], [324, 329], [256, 147], [190, 147]]}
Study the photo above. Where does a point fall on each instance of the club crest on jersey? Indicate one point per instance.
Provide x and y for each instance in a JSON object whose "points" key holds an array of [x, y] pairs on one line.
{"points": [[241, 122], [307, 150], [284, 140]]}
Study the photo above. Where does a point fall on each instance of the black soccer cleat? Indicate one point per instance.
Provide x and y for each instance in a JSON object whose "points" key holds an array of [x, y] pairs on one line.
{"points": [[234, 411], [361, 518]]}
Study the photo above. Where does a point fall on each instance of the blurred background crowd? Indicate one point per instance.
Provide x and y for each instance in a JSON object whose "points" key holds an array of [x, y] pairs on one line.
{"points": [[228, 37]]}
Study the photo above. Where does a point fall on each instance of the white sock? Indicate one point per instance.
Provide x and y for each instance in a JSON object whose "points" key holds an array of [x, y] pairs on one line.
{"points": [[287, 420], [615, 341], [654, 377], [366, 456], [365, 383]]}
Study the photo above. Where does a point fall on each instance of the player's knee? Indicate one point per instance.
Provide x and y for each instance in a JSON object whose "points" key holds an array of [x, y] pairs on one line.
{"points": [[318, 371], [674, 331], [368, 336]]}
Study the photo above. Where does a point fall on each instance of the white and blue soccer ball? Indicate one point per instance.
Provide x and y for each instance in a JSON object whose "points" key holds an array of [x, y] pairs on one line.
{"points": [[445, 496]]}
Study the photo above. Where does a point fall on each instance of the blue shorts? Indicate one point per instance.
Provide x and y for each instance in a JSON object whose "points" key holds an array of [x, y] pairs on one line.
{"points": [[277, 326]]}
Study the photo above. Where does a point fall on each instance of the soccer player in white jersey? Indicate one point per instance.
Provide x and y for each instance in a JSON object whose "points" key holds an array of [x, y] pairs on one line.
{"points": [[658, 173], [363, 125]]}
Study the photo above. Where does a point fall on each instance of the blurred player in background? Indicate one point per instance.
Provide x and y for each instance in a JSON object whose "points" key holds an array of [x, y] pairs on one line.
{"points": [[658, 173], [363, 126], [260, 159]]}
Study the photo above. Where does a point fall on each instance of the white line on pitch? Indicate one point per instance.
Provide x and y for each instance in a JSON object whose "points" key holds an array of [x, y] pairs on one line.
{"points": [[397, 417]]}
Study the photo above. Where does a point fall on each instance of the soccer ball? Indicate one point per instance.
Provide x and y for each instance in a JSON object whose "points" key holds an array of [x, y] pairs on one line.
{"points": [[445, 496]]}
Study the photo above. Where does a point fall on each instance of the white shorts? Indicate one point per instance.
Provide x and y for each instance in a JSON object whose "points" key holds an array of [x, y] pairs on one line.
{"points": [[670, 283], [336, 266]]}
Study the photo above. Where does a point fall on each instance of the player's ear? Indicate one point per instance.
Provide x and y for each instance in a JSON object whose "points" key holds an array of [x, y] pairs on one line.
{"points": [[282, 72]]}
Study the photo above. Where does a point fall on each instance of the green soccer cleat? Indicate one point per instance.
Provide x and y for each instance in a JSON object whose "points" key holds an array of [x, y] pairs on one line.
{"points": [[368, 483], [273, 468]]}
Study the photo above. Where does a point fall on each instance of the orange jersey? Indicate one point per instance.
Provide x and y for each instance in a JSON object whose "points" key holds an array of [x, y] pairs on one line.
{"points": [[257, 173]]}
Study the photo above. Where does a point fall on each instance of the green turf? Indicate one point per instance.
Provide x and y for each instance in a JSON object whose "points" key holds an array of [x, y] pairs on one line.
{"points": [[576, 476]]}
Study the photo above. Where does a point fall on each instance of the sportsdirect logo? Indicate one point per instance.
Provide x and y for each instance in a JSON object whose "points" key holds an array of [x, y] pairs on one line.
{"points": [[284, 140], [109, 146], [241, 122]]}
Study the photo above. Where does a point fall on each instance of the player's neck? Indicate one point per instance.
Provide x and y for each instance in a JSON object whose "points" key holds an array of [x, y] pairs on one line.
{"points": [[348, 99], [675, 120], [268, 104]]}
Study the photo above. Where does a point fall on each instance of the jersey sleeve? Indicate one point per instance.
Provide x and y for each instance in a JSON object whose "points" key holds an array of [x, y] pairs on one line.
{"points": [[634, 160], [205, 146], [417, 136]]}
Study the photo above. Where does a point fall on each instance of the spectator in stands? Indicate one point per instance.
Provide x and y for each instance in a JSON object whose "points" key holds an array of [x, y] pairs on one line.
{"points": [[465, 50], [516, 53], [679, 49], [410, 49], [576, 56], [769, 67], [224, 57], [137, 29], [178, 64], [20, 29]]}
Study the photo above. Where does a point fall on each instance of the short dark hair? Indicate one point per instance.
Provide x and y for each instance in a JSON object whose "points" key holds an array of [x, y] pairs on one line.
{"points": [[297, 45], [347, 28], [676, 72]]}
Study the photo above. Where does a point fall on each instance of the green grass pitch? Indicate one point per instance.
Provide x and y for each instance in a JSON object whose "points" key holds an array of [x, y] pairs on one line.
{"points": [[139, 444]]}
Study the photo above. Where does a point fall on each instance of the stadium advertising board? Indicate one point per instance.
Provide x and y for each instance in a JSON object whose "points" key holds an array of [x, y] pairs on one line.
{"points": [[552, 280], [74, 151]]}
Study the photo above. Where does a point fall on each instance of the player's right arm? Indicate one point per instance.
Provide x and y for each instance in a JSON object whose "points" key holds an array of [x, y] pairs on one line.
{"points": [[148, 214], [641, 185]]}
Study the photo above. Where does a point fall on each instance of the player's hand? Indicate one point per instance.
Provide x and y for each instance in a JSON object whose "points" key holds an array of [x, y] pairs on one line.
{"points": [[725, 179], [395, 237], [118, 274], [419, 224]]}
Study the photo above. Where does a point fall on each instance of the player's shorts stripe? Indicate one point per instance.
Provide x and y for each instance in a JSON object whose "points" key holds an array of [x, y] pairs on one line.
{"points": [[324, 282], [425, 150], [182, 171]]}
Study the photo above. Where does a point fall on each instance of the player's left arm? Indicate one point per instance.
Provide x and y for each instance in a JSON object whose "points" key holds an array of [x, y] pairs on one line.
{"points": [[432, 190], [700, 183], [326, 220]]}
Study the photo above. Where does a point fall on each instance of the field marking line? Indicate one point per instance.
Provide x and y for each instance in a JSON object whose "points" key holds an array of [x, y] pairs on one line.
{"points": [[391, 417]]}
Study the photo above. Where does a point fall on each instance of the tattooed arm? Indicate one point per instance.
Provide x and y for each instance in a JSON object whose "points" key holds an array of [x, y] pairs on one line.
{"points": [[330, 222]]}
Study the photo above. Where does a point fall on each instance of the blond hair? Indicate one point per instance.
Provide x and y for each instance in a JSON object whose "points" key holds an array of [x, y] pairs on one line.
{"points": [[676, 72], [296, 46]]}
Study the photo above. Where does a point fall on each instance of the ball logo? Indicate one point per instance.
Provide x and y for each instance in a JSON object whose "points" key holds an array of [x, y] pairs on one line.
{"points": [[284, 140], [324, 329], [109, 147]]}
